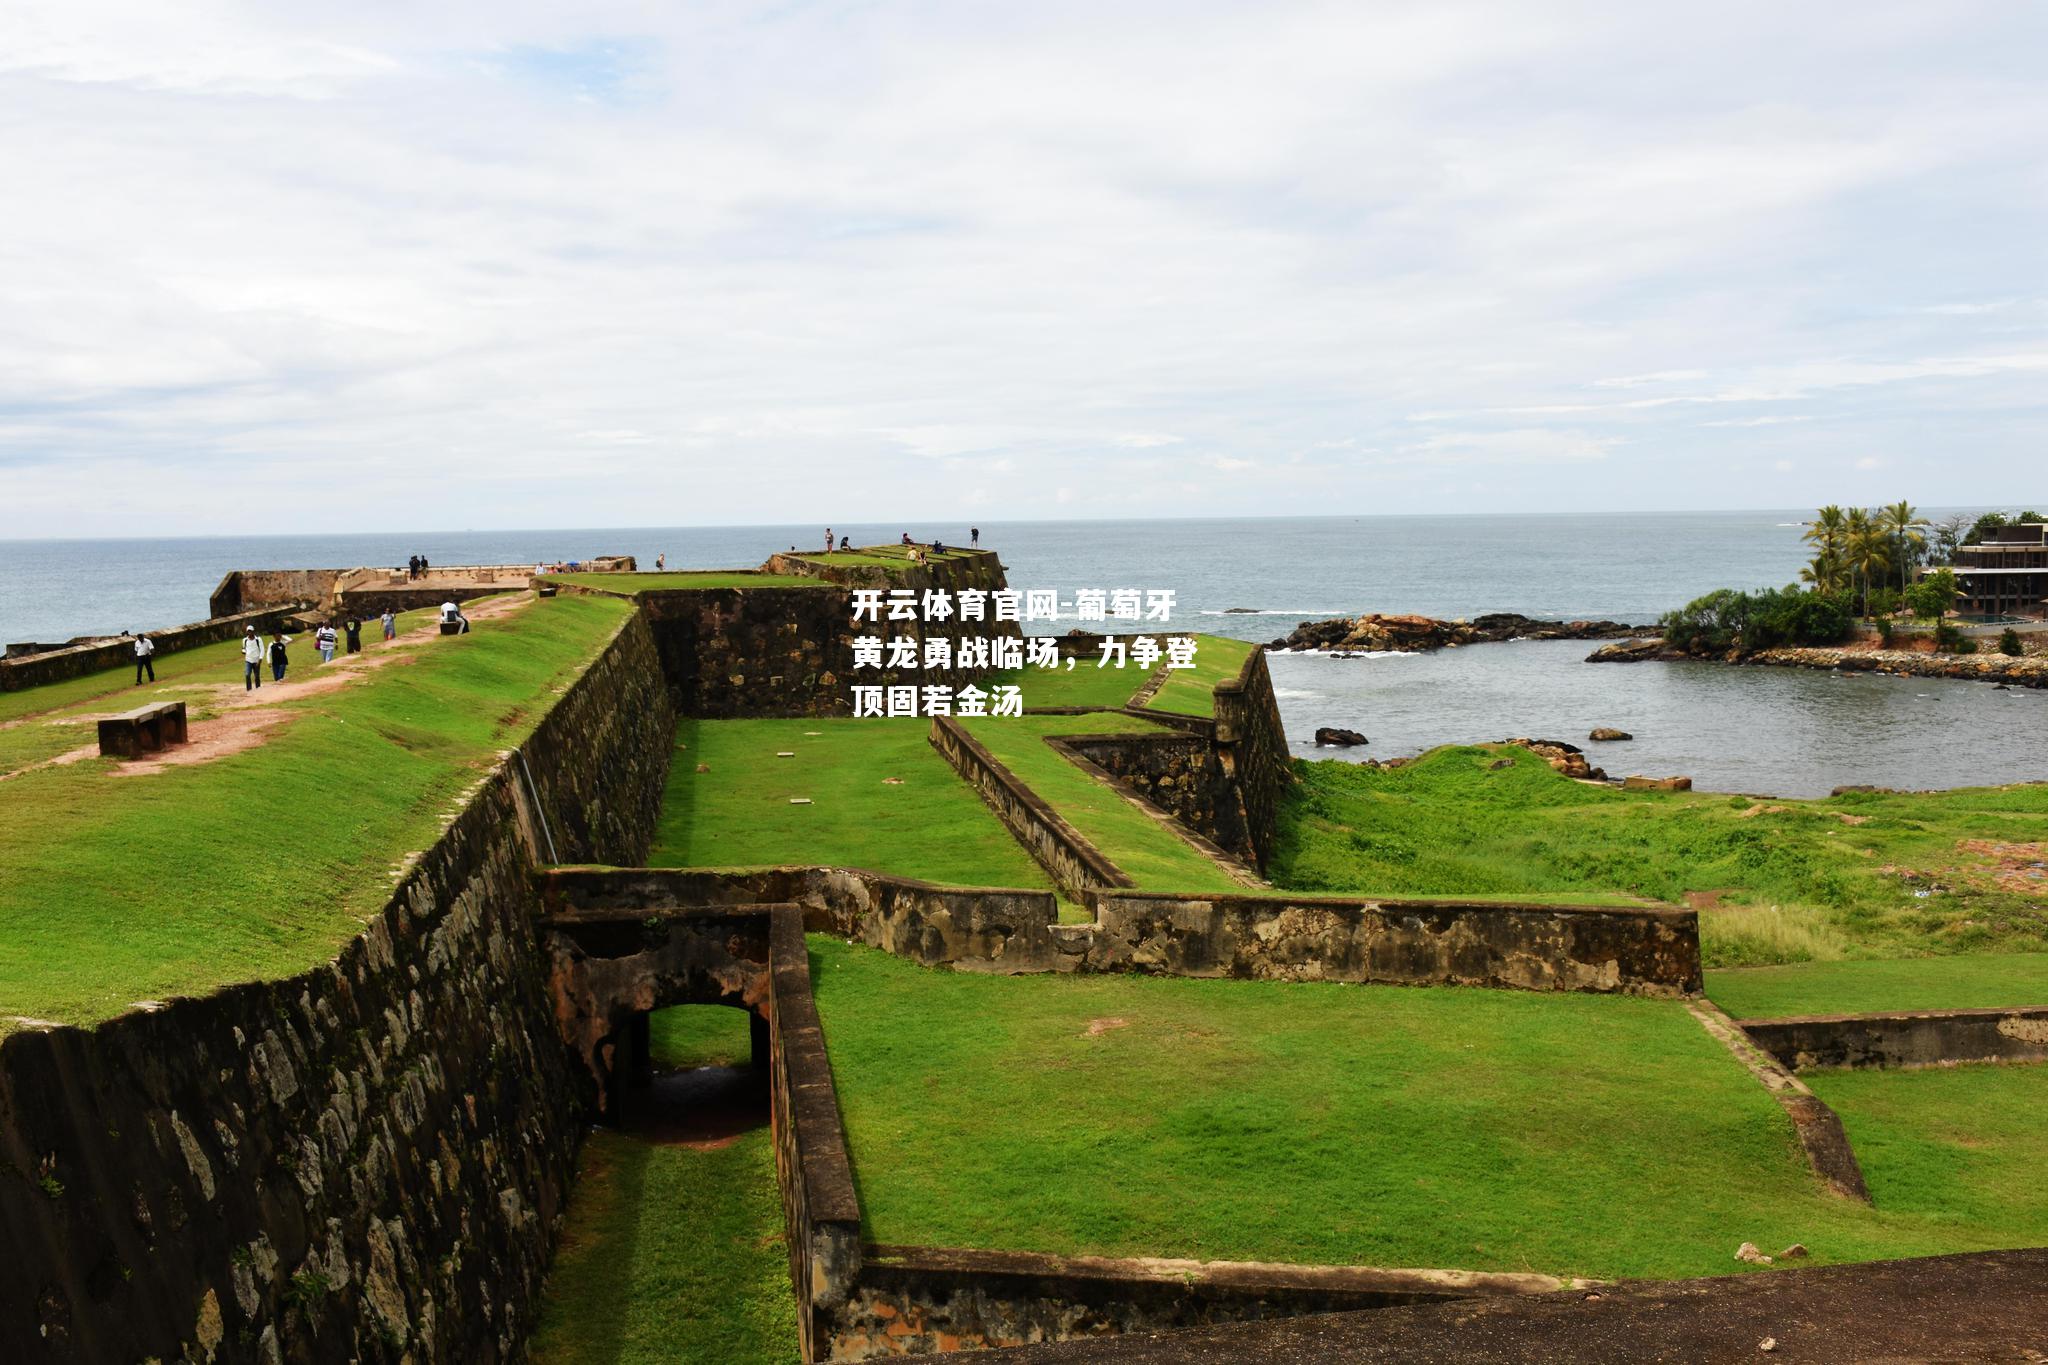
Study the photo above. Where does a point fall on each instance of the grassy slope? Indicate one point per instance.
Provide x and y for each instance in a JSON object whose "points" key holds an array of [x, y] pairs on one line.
{"points": [[1976, 981], [1082, 685], [260, 863], [694, 578], [930, 825], [1142, 846], [1329, 1124], [1961, 1147], [670, 1254], [1191, 691], [1804, 879]]}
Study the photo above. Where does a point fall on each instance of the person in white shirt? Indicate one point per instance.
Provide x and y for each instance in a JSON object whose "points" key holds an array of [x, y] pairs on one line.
{"points": [[145, 648], [390, 624], [451, 614], [252, 659], [324, 640]]}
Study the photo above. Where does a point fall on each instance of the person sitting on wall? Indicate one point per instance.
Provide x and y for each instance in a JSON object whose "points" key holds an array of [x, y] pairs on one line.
{"points": [[938, 547], [845, 542], [145, 649], [451, 614], [906, 538]]}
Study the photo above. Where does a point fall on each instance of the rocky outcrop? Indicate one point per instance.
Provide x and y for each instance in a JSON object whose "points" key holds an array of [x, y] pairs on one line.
{"points": [[1568, 759], [1637, 783], [2004, 670], [1606, 734], [1412, 634], [1632, 651], [1334, 735]]}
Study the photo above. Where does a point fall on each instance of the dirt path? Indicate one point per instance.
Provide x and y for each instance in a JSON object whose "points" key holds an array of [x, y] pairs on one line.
{"points": [[246, 717]]}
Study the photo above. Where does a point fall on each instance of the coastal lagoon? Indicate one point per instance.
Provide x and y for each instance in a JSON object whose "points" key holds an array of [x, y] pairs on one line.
{"points": [[1764, 730], [1761, 730]]}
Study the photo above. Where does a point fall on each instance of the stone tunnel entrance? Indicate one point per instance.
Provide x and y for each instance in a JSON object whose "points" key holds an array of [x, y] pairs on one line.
{"points": [[689, 1072]]}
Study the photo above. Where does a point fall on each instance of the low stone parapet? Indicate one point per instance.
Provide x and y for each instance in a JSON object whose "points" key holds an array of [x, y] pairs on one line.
{"points": [[1906, 1038]]}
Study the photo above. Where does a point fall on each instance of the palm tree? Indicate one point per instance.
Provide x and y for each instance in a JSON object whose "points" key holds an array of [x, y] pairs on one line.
{"points": [[1868, 550], [1827, 533], [1900, 522]]}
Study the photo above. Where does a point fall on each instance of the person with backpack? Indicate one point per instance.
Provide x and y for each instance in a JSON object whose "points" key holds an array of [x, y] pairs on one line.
{"points": [[145, 651], [324, 640], [279, 660], [252, 659]]}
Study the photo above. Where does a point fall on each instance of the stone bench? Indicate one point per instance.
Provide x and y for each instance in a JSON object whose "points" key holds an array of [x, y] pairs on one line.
{"points": [[146, 729], [454, 627]]}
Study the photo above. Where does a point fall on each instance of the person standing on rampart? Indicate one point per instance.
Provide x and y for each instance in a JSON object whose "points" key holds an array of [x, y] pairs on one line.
{"points": [[145, 651], [973, 537], [828, 540], [252, 659]]}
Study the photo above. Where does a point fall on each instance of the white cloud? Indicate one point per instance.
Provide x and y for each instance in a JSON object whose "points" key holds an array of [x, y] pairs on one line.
{"points": [[624, 261]]}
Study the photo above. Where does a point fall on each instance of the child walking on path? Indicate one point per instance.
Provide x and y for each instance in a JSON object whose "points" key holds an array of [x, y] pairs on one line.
{"points": [[252, 659]]}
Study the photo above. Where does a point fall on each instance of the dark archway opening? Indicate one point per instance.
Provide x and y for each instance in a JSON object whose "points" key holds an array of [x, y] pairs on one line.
{"points": [[690, 1075]]}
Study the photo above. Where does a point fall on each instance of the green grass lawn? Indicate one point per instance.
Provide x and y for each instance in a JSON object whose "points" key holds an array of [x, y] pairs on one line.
{"points": [[683, 579], [1082, 685], [670, 1254], [1192, 691], [1861, 875], [1960, 1147], [1142, 846], [261, 863], [881, 798], [42, 722], [686, 1036], [1332, 1124], [879, 556], [1973, 981]]}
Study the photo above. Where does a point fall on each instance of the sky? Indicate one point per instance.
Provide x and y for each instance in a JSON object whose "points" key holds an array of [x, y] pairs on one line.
{"points": [[285, 267]]}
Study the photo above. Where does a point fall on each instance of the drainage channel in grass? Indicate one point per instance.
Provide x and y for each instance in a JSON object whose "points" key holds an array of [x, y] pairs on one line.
{"points": [[673, 1250]]}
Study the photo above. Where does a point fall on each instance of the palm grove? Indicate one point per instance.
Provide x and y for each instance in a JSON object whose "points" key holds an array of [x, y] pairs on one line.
{"points": [[1867, 562]]}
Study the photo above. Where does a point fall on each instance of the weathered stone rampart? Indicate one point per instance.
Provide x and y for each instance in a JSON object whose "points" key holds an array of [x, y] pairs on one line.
{"points": [[1076, 866], [361, 1162], [1904, 1038], [56, 665], [1652, 951]]}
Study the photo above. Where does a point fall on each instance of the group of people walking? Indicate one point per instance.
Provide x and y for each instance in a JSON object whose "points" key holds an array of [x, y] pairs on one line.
{"points": [[276, 651]]}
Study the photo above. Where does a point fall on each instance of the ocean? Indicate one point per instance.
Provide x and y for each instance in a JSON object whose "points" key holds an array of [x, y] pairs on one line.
{"points": [[1769, 731]]}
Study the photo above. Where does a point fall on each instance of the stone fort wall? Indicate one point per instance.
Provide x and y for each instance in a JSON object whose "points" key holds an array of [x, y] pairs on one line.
{"points": [[363, 1162]]}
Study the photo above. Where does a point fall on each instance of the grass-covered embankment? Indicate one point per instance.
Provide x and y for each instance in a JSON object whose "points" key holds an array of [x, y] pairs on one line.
{"points": [[1864, 875], [1192, 691], [1332, 1124], [880, 798], [1959, 982], [1962, 1145], [258, 864], [1142, 845], [682, 580]]}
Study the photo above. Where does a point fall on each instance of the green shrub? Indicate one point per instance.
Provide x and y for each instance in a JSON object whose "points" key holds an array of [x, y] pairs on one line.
{"points": [[1947, 638], [1728, 619], [2009, 642]]}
